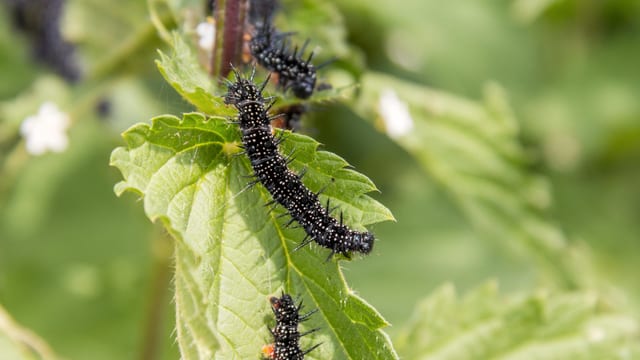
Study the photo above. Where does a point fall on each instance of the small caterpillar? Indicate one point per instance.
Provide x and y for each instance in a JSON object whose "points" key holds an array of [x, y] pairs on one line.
{"points": [[271, 50], [286, 336], [286, 187]]}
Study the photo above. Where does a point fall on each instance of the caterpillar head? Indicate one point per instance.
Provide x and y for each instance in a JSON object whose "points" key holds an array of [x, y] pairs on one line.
{"points": [[242, 90], [364, 242], [305, 83]]}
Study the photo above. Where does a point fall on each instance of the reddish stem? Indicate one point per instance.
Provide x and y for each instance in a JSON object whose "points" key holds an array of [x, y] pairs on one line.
{"points": [[230, 18]]}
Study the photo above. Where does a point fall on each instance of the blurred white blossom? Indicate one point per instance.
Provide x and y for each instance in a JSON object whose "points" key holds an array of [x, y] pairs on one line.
{"points": [[206, 32], [395, 114], [46, 131]]}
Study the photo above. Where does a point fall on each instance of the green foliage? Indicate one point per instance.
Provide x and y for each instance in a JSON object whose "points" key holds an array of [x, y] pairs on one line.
{"points": [[485, 325], [327, 24], [87, 272], [184, 168], [472, 150], [186, 76], [231, 253]]}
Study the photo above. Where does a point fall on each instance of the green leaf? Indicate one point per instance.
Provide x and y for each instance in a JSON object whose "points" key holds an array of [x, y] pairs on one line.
{"points": [[186, 76], [231, 253], [325, 26], [484, 325], [18, 343], [472, 150]]}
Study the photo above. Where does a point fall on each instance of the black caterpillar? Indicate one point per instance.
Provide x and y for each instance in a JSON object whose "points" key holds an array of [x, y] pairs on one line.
{"points": [[286, 188], [286, 336], [271, 50], [40, 20]]}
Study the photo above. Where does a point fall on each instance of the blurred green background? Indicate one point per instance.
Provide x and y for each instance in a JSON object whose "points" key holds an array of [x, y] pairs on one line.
{"points": [[82, 268]]}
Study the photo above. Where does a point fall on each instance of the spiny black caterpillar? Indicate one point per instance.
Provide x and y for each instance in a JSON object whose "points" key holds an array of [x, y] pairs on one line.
{"points": [[286, 337], [286, 187], [272, 51]]}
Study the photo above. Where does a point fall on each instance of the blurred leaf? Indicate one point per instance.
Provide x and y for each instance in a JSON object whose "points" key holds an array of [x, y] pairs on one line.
{"points": [[484, 325], [14, 58], [18, 343], [98, 27], [528, 11], [75, 261], [231, 253], [324, 26], [472, 150]]}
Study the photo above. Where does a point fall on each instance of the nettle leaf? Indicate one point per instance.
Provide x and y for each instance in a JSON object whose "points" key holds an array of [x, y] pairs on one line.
{"points": [[472, 150], [183, 72], [231, 253], [485, 325]]}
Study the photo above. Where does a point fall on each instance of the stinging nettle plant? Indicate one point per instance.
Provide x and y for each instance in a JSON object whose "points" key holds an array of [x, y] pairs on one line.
{"points": [[232, 253]]}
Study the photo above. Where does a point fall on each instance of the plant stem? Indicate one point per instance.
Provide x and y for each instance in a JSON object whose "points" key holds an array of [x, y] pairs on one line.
{"points": [[230, 18]]}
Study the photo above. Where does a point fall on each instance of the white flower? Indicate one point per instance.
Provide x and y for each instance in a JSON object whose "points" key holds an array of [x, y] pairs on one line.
{"points": [[46, 131], [395, 114], [206, 32]]}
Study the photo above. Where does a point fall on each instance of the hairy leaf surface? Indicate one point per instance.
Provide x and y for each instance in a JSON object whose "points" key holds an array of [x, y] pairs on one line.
{"points": [[485, 325], [232, 253]]}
